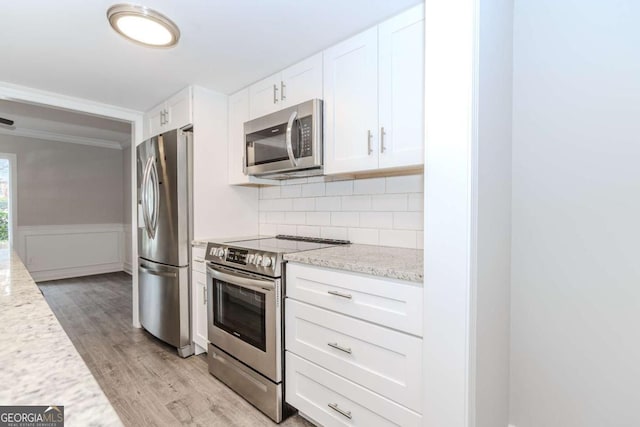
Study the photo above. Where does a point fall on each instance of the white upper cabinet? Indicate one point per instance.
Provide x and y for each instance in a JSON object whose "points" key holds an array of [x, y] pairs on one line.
{"points": [[174, 113], [401, 89], [264, 96], [302, 82], [351, 104], [298, 83], [373, 94], [238, 108]]}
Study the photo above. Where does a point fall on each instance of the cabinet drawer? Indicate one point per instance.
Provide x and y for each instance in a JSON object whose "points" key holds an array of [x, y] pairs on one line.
{"points": [[197, 259], [391, 303], [385, 361], [331, 400]]}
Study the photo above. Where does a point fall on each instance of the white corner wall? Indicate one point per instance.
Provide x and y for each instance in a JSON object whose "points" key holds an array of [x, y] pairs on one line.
{"points": [[492, 292], [449, 224], [575, 346]]}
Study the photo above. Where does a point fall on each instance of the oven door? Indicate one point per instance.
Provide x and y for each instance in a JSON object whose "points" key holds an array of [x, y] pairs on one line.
{"points": [[244, 318]]}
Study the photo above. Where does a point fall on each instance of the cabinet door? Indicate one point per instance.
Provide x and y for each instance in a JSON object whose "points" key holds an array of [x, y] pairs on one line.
{"points": [[331, 400], [154, 121], [264, 96], [179, 110], [238, 114], [302, 82], [199, 288], [351, 104], [401, 89]]}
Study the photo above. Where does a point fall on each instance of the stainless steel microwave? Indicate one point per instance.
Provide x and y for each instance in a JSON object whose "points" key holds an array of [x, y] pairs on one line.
{"points": [[285, 144]]}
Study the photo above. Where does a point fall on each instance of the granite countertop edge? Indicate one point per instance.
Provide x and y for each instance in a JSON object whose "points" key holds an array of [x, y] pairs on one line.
{"points": [[41, 366], [381, 261]]}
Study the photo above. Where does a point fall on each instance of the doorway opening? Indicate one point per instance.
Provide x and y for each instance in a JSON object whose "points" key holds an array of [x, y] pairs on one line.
{"points": [[7, 199]]}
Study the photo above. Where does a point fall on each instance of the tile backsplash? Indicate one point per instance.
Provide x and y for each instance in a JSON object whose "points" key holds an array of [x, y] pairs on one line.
{"points": [[384, 211]]}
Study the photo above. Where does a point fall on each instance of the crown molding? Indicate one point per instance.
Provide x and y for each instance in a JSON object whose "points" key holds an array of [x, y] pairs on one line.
{"points": [[51, 136], [13, 92]]}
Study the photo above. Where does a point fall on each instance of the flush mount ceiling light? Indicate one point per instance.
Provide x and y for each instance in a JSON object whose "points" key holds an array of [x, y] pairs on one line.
{"points": [[142, 25]]}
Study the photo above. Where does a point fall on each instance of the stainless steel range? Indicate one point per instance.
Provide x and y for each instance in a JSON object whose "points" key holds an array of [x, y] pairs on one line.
{"points": [[245, 317]]}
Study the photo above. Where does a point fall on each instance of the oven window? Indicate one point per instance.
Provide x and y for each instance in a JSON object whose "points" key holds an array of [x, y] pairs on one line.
{"points": [[240, 312]]}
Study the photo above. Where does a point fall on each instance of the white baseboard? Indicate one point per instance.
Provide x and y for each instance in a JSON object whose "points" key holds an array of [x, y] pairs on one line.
{"points": [[41, 276], [127, 267], [53, 252]]}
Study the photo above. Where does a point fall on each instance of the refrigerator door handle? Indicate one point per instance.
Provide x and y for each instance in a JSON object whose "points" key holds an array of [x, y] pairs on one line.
{"points": [[157, 272], [156, 202], [145, 196]]}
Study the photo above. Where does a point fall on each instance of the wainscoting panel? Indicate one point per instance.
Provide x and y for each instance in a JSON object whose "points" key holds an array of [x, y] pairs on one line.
{"points": [[62, 251]]}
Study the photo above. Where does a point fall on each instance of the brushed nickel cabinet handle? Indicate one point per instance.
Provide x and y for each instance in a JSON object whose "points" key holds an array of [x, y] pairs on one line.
{"points": [[369, 137], [342, 412], [339, 347], [204, 295], [340, 294], [282, 86], [275, 94], [382, 135]]}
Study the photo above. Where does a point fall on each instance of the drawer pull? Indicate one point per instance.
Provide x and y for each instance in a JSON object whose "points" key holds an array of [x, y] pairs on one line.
{"points": [[339, 347], [196, 259], [340, 294], [342, 412]]}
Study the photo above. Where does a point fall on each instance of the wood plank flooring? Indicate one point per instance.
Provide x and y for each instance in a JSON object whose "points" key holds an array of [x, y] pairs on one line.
{"points": [[143, 378]]}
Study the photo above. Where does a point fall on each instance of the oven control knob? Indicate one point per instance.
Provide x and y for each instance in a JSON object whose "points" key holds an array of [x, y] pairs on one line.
{"points": [[250, 258], [220, 252], [258, 260], [267, 262]]}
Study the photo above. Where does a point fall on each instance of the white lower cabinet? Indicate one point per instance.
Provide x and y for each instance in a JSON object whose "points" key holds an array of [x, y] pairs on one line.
{"points": [[199, 300], [328, 399], [353, 348], [385, 361]]}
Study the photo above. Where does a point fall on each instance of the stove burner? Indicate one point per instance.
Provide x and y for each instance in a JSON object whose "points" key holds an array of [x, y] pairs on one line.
{"points": [[313, 239]]}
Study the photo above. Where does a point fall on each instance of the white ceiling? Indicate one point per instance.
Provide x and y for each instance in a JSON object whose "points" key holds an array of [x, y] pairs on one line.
{"points": [[67, 46], [40, 122]]}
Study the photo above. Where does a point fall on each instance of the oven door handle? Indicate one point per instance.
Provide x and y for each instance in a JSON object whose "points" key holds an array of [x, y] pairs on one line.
{"points": [[242, 281]]}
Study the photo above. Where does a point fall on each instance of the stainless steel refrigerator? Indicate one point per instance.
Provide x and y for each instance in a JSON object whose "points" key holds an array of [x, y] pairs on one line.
{"points": [[163, 237]]}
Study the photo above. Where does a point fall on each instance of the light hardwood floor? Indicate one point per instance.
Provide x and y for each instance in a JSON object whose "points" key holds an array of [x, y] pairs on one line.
{"points": [[145, 380]]}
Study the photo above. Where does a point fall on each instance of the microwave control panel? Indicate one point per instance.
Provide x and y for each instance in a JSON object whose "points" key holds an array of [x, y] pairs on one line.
{"points": [[306, 137]]}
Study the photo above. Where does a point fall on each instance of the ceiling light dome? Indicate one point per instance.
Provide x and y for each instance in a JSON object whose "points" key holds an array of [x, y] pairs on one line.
{"points": [[143, 25]]}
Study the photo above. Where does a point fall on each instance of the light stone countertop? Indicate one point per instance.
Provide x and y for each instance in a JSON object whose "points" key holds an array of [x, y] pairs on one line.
{"points": [[382, 261], [39, 364], [203, 242]]}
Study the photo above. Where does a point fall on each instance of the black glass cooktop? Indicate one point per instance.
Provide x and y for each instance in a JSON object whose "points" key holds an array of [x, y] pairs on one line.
{"points": [[285, 244]]}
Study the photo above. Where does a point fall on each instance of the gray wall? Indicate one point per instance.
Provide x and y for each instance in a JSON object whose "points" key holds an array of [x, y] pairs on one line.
{"points": [[575, 336], [61, 183]]}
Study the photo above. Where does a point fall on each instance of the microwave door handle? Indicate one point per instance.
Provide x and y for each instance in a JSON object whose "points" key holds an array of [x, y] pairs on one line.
{"points": [[292, 119]]}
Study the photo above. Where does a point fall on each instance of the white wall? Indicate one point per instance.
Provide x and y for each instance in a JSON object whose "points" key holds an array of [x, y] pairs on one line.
{"points": [[126, 221], [219, 209], [575, 346], [375, 211], [493, 191], [450, 78]]}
